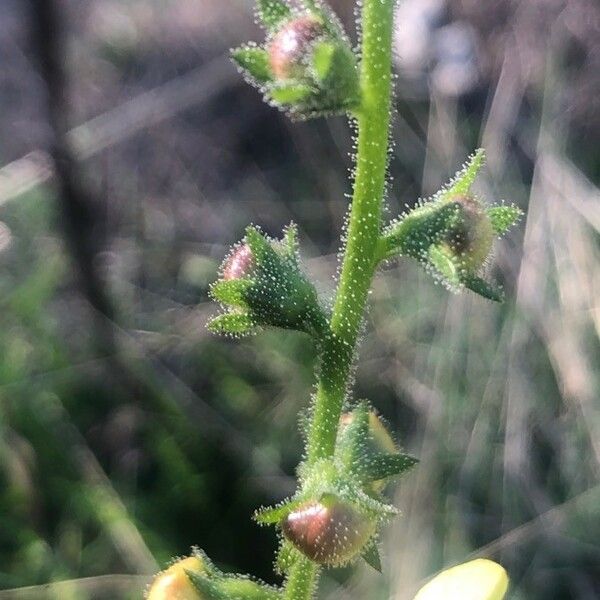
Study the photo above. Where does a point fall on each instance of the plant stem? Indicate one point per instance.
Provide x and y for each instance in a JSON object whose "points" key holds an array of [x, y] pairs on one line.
{"points": [[302, 580], [361, 252]]}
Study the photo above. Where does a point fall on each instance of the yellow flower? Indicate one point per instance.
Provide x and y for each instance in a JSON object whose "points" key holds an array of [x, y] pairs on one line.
{"points": [[479, 579]]}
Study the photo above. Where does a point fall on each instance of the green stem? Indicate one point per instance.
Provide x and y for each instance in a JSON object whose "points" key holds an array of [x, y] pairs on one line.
{"points": [[302, 580], [361, 253]]}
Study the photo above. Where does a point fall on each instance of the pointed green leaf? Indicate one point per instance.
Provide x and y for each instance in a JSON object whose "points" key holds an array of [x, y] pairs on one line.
{"points": [[372, 558], [272, 515], [254, 61], [483, 288], [322, 59], [273, 13], [444, 265], [292, 93], [504, 217], [230, 292], [232, 323], [463, 180], [389, 465]]}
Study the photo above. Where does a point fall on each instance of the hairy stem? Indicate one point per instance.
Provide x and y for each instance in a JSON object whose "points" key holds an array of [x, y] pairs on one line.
{"points": [[302, 580], [361, 251]]}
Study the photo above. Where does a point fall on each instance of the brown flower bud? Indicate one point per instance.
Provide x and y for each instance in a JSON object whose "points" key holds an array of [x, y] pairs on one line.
{"points": [[289, 46], [471, 239], [239, 263], [174, 584], [330, 531]]}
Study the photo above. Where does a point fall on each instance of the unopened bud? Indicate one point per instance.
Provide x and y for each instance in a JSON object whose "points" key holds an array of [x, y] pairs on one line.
{"points": [[470, 240], [290, 45], [382, 440], [239, 263], [329, 531]]}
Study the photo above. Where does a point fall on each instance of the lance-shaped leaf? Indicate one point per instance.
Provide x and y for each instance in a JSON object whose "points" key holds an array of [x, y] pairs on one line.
{"points": [[254, 62], [273, 13], [232, 323], [504, 217]]}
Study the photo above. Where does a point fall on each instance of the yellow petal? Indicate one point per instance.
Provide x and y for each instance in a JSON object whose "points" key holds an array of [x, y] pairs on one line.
{"points": [[174, 584], [479, 579]]}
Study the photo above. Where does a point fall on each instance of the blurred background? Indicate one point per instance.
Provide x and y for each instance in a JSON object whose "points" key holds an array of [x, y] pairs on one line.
{"points": [[132, 155]]}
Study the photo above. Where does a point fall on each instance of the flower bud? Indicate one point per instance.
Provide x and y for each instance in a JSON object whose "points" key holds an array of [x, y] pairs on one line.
{"points": [[479, 579], [262, 284], [291, 44], [379, 441], [329, 531], [239, 263], [381, 438], [174, 584], [470, 238]]}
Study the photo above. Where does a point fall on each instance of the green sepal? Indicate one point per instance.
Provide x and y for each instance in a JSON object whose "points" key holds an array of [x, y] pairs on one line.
{"points": [[504, 217], [208, 565], [289, 93], [231, 292], [322, 59], [272, 515], [414, 233], [273, 13], [290, 239], [232, 323], [444, 265], [243, 588], [206, 587], [483, 288], [389, 465], [369, 504], [254, 61], [463, 180], [352, 445], [231, 588], [371, 556], [281, 295]]}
